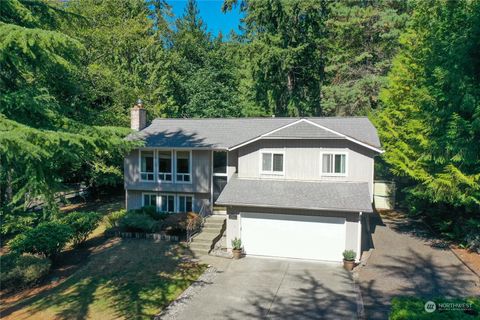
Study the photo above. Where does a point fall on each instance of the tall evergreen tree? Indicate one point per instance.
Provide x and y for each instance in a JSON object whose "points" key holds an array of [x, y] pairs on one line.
{"points": [[45, 136], [430, 121], [362, 40]]}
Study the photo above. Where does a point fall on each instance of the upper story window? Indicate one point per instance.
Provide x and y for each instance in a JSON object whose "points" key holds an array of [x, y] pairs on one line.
{"points": [[184, 170], [334, 164], [185, 203], [220, 163], [167, 203], [165, 164], [146, 166], [272, 162], [149, 200]]}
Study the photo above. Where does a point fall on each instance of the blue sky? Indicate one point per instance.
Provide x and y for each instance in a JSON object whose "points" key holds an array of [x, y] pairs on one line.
{"points": [[212, 15]]}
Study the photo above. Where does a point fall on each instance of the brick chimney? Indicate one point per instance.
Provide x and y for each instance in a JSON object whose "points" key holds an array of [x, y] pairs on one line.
{"points": [[138, 116]]}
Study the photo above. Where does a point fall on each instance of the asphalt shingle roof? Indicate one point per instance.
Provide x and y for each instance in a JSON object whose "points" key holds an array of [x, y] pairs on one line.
{"points": [[322, 195], [225, 133]]}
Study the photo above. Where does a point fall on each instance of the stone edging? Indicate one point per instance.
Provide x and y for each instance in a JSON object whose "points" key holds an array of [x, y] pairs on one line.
{"points": [[142, 235]]}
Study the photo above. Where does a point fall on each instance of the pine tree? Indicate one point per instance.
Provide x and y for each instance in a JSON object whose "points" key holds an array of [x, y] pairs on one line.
{"points": [[430, 121]]}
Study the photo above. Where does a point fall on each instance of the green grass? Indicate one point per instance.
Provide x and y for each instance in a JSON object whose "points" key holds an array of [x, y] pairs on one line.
{"points": [[133, 279], [110, 279], [406, 308]]}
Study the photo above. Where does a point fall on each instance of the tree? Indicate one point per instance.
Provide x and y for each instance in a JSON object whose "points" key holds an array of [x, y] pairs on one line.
{"points": [[430, 120], [362, 40], [46, 137], [199, 80], [286, 41]]}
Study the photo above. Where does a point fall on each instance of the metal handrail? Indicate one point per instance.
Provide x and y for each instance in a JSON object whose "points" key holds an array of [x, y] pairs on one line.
{"points": [[191, 232]]}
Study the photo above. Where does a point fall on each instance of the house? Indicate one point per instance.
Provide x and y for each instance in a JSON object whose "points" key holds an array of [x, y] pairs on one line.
{"points": [[288, 187]]}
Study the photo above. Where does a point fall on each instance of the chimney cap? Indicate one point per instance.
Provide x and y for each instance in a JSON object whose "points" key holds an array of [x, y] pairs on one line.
{"points": [[139, 103]]}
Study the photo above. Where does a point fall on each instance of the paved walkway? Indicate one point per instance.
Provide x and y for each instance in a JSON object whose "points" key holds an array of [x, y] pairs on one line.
{"points": [[259, 288], [404, 263]]}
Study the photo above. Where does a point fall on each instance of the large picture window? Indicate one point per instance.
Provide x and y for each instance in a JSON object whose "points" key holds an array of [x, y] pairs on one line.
{"points": [[165, 165], [183, 166], [146, 166], [272, 162], [334, 163], [185, 203]]}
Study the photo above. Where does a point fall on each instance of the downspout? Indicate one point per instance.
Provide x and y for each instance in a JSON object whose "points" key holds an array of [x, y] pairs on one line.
{"points": [[359, 236]]}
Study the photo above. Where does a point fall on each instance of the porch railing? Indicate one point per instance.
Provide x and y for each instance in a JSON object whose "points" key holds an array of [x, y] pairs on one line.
{"points": [[194, 229]]}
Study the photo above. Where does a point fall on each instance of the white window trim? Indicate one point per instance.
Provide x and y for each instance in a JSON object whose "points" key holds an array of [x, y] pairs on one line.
{"points": [[140, 165], [333, 174], [189, 166], [177, 200], [219, 174], [275, 173], [157, 166], [149, 193], [159, 202]]}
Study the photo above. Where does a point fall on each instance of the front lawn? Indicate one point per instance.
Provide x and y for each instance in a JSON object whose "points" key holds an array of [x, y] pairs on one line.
{"points": [[107, 278], [133, 279], [407, 308]]}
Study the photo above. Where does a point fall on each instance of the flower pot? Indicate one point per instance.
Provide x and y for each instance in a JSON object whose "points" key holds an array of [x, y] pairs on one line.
{"points": [[237, 253], [349, 264]]}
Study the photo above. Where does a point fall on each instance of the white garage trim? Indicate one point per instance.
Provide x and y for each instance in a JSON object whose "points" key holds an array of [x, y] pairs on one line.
{"points": [[293, 236]]}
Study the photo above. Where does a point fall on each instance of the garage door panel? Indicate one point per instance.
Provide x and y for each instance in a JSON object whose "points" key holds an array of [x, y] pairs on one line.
{"points": [[293, 236]]}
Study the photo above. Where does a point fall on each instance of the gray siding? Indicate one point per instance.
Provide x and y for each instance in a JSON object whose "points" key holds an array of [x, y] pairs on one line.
{"points": [[134, 199], [303, 160], [351, 240], [201, 170]]}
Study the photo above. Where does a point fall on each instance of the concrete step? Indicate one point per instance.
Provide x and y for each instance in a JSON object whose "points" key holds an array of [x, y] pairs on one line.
{"points": [[205, 237], [200, 246], [200, 252], [214, 222], [210, 229]]}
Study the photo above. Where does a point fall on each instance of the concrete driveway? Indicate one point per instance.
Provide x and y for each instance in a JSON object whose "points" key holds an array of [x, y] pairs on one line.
{"points": [[259, 288]]}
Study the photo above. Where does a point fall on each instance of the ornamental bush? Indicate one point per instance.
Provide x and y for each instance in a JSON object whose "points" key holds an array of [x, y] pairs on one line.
{"points": [[47, 239], [134, 222], [82, 223], [113, 219], [20, 271], [349, 255]]}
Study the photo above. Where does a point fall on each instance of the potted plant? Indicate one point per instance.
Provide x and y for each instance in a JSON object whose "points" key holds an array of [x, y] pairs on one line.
{"points": [[349, 259], [237, 248]]}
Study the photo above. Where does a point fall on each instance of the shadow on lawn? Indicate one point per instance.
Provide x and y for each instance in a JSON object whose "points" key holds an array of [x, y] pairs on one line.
{"points": [[316, 299], [133, 279]]}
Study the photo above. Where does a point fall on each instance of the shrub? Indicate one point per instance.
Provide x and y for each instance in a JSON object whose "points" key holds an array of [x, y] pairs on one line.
{"points": [[349, 255], [48, 239], [414, 308], [236, 244], [19, 271], [113, 219], [152, 212], [134, 222], [82, 223]]}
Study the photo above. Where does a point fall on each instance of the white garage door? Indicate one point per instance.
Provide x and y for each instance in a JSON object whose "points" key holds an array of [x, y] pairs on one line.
{"points": [[293, 236]]}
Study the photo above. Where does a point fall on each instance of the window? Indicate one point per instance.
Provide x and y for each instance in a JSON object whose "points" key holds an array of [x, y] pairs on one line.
{"points": [[167, 203], [146, 165], [149, 200], [165, 166], [219, 163], [183, 166], [185, 203], [334, 163], [272, 162]]}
